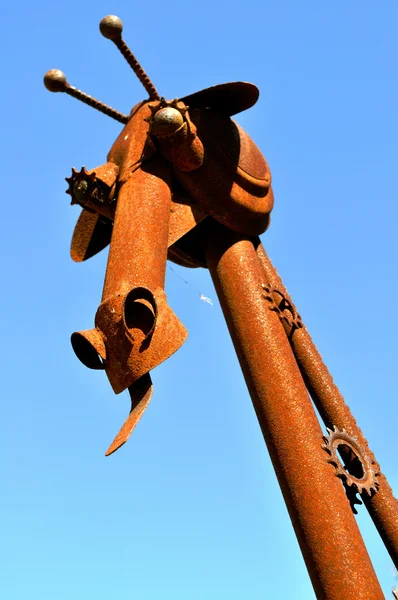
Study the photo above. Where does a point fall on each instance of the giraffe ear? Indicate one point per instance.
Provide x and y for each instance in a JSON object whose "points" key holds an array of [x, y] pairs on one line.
{"points": [[226, 98], [92, 234]]}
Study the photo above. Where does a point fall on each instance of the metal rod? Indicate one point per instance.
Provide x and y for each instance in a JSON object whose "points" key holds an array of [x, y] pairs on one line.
{"points": [[334, 552], [111, 28], [100, 106], [382, 506], [138, 70], [55, 81]]}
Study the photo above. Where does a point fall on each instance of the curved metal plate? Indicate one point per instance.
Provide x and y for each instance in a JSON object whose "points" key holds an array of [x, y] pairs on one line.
{"points": [[91, 235], [228, 98], [140, 394]]}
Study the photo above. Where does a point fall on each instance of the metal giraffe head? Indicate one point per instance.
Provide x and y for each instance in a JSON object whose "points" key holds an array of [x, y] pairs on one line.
{"points": [[176, 165]]}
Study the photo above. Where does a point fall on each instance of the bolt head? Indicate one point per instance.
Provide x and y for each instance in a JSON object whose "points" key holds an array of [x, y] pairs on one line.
{"points": [[80, 191], [166, 121], [111, 27], [55, 81]]}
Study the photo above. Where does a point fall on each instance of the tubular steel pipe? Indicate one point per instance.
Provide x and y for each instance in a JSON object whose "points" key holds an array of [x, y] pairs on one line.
{"points": [[138, 251], [382, 506], [330, 541]]}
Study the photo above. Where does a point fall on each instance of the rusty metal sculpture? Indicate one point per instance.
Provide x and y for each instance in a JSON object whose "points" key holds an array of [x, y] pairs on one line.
{"points": [[184, 182]]}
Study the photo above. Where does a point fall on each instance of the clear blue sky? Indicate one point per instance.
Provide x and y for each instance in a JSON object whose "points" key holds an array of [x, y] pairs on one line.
{"points": [[190, 508]]}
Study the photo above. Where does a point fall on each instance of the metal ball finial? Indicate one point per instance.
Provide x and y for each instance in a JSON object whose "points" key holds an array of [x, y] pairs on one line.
{"points": [[55, 81], [111, 27]]}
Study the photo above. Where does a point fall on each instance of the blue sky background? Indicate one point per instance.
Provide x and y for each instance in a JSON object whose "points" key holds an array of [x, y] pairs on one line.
{"points": [[190, 508]]}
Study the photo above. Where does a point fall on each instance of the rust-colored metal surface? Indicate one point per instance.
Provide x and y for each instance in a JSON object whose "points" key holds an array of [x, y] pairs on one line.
{"points": [[317, 505], [382, 506], [184, 182]]}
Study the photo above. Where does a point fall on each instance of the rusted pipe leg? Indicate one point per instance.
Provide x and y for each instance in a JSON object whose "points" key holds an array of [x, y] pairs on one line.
{"points": [[382, 506], [333, 549]]}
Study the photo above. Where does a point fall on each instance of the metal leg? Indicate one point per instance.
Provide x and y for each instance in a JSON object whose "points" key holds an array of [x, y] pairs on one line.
{"points": [[382, 506], [330, 541]]}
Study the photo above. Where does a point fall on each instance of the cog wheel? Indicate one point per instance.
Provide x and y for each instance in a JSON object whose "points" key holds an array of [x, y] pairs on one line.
{"points": [[167, 117], [94, 190], [80, 186], [163, 103], [285, 310], [360, 474]]}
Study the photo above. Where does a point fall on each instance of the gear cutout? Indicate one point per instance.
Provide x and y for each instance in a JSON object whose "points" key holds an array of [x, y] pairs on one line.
{"points": [[360, 474]]}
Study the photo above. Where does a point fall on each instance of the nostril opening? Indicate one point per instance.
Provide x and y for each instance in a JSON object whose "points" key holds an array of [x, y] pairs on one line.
{"points": [[139, 315], [86, 352], [140, 311]]}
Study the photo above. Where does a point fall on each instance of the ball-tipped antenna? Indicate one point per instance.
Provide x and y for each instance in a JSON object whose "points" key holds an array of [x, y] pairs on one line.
{"points": [[111, 28], [55, 81]]}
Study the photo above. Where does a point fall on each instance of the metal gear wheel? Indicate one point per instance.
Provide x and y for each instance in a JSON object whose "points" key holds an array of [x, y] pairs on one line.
{"points": [[163, 103], [94, 190], [167, 117], [80, 186], [360, 474], [285, 310]]}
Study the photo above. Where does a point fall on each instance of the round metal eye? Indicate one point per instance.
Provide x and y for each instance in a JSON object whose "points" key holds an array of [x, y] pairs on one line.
{"points": [[166, 121]]}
